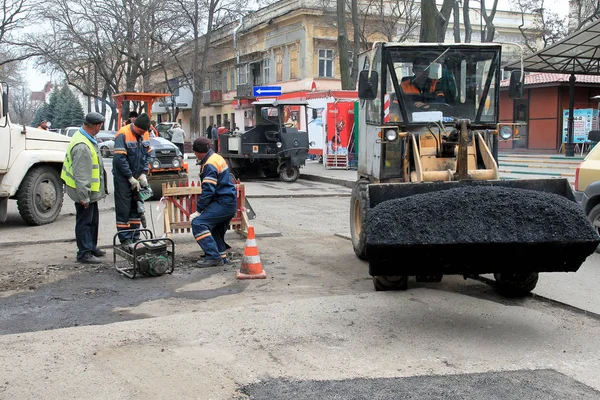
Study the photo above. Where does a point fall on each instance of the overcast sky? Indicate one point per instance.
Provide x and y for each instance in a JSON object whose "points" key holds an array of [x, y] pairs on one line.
{"points": [[37, 80]]}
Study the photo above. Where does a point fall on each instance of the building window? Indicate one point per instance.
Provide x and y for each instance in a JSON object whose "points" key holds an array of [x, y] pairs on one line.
{"points": [[242, 75], [204, 124], [225, 80], [325, 63], [232, 77], [279, 66], [294, 67], [218, 119], [266, 70], [217, 81]]}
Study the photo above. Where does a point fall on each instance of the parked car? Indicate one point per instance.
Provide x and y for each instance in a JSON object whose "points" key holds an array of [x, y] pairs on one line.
{"points": [[164, 129], [70, 131], [587, 186], [104, 136], [107, 148]]}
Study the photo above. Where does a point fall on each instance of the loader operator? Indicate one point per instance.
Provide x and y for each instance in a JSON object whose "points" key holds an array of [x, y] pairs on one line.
{"points": [[130, 166], [217, 204], [419, 90]]}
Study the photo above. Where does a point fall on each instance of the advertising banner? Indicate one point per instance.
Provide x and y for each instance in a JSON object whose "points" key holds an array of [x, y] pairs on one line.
{"points": [[340, 122], [583, 122]]}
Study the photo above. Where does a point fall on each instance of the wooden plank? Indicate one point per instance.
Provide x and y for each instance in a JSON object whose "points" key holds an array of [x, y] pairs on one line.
{"points": [[182, 191]]}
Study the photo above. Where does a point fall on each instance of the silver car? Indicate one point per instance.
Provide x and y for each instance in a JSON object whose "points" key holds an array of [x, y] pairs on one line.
{"points": [[107, 148]]}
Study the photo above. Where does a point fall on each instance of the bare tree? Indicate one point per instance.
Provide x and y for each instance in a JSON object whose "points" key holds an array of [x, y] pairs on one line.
{"points": [[467, 21], [488, 32], [343, 45], [548, 27], [21, 106], [582, 13]]}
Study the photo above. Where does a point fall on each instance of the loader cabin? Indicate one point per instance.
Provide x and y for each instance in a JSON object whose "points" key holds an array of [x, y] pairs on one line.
{"points": [[425, 90]]}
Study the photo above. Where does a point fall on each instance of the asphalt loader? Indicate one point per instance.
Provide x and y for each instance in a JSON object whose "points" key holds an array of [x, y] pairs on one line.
{"points": [[428, 201]]}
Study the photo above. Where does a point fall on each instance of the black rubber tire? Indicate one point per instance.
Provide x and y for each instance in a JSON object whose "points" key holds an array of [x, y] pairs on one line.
{"points": [[290, 174], [358, 217], [104, 152], [40, 196], [237, 172], [594, 216], [385, 283], [515, 285]]}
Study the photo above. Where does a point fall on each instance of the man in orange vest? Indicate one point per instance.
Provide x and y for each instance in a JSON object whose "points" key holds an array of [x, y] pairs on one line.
{"points": [[130, 166], [420, 90]]}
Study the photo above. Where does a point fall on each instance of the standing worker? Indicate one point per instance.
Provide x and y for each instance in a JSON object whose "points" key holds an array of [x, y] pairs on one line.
{"points": [[178, 137], [216, 207], [130, 166], [215, 136], [43, 125], [83, 173], [132, 116]]}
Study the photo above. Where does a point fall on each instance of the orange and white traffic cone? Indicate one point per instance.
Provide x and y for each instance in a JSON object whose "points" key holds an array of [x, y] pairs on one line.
{"points": [[251, 265]]}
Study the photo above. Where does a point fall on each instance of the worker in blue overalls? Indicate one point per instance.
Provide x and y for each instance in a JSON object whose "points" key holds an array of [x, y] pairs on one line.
{"points": [[217, 204], [132, 152]]}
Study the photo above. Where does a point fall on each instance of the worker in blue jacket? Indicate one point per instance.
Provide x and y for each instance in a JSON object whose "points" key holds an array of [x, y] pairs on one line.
{"points": [[217, 204], [132, 154]]}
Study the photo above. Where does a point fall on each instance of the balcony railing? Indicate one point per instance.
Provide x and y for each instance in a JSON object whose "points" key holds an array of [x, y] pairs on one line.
{"points": [[212, 96], [244, 91]]}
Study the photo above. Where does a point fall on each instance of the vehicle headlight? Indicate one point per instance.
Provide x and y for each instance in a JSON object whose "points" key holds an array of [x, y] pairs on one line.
{"points": [[391, 135], [155, 164], [176, 163], [278, 144], [506, 132]]}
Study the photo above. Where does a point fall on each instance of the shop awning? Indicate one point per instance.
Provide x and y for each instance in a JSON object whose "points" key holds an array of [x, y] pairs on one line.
{"points": [[578, 53]]}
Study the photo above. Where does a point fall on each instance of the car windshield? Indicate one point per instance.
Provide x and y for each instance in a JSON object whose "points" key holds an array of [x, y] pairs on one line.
{"points": [[446, 82]]}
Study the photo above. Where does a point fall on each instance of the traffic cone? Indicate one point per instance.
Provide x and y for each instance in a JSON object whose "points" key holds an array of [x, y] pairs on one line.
{"points": [[251, 265]]}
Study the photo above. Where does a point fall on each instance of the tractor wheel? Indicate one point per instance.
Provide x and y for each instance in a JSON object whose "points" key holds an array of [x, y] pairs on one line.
{"points": [[358, 218], [515, 285], [290, 174], [594, 217], [384, 283], [40, 196]]}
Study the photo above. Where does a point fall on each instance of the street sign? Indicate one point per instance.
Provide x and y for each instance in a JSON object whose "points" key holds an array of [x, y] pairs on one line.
{"points": [[266, 91]]}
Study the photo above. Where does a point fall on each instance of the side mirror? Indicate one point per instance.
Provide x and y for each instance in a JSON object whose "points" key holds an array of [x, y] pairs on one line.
{"points": [[314, 113], [4, 99], [367, 86], [516, 90]]}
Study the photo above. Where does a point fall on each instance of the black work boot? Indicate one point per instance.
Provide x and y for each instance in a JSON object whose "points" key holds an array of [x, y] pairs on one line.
{"points": [[89, 258], [127, 245], [209, 262], [99, 252]]}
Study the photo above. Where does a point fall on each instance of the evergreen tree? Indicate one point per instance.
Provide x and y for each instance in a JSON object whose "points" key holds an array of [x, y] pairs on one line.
{"points": [[40, 115], [75, 111], [51, 107], [62, 118]]}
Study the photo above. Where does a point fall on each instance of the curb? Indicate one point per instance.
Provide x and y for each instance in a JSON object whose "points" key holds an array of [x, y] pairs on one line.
{"points": [[325, 179]]}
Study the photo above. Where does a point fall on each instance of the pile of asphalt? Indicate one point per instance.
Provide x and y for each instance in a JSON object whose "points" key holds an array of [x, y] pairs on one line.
{"points": [[478, 214]]}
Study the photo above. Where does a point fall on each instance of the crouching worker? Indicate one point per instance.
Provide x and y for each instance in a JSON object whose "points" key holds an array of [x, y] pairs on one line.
{"points": [[217, 204]]}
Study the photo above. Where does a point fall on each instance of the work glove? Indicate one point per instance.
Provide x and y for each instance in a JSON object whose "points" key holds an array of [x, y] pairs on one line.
{"points": [[135, 185], [143, 180], [194, 215]]}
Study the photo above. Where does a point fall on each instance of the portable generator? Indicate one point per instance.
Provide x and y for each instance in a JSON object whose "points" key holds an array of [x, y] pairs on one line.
{"points": [[148, 256]]}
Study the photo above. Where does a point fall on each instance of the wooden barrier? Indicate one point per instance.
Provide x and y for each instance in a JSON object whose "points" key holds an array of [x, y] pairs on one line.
{"points": [[181, 202]]}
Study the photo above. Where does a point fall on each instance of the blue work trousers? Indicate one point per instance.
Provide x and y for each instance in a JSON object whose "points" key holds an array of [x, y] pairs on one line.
{"points": [[210, 227], [126, 211], [86, 228]]}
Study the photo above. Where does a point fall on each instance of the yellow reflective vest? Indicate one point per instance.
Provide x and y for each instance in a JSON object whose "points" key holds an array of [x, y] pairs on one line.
{"points": [[67, 171]]}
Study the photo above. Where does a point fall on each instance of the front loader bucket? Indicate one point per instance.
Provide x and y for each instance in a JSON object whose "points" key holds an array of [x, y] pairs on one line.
{"points": [[476, 227]]}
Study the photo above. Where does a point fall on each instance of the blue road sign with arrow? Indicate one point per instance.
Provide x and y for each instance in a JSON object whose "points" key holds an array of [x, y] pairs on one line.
{"points": [[266, 91]]}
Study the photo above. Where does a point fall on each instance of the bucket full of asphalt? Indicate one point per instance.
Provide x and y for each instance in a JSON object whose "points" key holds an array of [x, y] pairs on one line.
{"points": [[476, 227]]}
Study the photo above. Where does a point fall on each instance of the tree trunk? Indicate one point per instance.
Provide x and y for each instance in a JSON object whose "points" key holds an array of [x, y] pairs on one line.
{"points": [[456, 22], [467, 21], [356, 43], [343, 45], [433, 22]]}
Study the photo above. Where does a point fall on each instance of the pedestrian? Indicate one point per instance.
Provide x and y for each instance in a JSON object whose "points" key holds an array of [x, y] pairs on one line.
{"points": [[215, 136], [132, 116], [43, 125], [217, 204], [208, 132], [85, 178], [132, 153], [178, 137]]}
